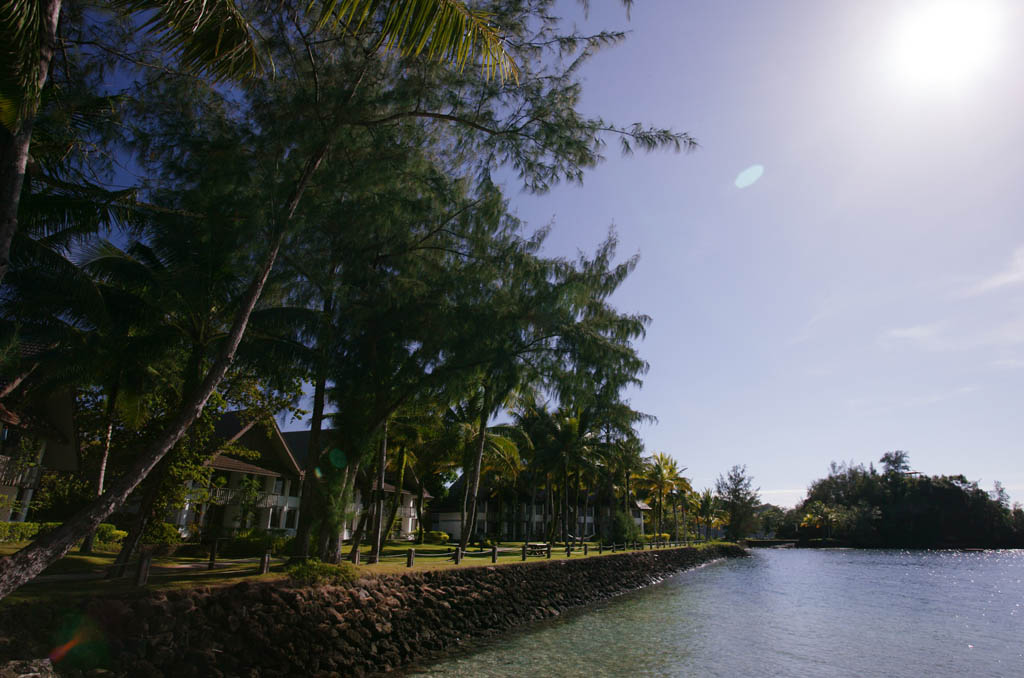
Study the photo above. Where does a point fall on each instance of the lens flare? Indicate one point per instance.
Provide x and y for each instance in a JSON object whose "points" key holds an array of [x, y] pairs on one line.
{"points": [[318, 473], [749, 176], [337, 457]]}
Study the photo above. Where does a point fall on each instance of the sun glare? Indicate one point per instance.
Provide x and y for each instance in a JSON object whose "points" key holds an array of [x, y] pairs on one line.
{"points": [[942, 45]]}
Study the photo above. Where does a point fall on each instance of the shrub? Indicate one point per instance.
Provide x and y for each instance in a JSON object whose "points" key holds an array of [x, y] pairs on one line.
{"points": [[253, 543], [109, 534], [624, 529], [160, 533], [664, 536], [314, 573], [18, 531], [437, 537]]}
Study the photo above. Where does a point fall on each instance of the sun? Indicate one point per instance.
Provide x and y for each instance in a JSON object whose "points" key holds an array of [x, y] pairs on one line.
{"points": [[941, 45]]}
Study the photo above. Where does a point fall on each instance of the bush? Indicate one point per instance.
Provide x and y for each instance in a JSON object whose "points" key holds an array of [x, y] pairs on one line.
{"points": [[109, 534], [160, 533], [25, 531], [624, 529], [314, 573], [664, 536], [436, 537], [254, 543]]}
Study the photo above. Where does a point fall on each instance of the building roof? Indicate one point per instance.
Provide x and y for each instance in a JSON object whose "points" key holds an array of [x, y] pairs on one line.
{"points": [[275, 456], [223, 462], [642, 505]]}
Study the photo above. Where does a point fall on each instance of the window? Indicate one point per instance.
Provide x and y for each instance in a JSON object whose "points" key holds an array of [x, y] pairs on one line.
{"points": [[278, 485], [275, 517], [293, 490], [289, 519]]}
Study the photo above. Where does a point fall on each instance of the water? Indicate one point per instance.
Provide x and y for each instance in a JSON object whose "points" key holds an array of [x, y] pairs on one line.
{"points": [[786, 613]]}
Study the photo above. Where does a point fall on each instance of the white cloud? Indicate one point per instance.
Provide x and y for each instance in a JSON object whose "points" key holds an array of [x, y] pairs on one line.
{"points": [[883, 404], [1014, 275]]}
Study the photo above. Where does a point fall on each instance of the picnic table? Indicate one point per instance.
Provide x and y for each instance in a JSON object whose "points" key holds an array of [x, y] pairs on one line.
{"points": [[536, 549]]}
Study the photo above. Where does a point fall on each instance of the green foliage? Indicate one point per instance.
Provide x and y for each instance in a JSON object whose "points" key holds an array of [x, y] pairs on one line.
{"points": [[160, 533], [739, 501], [23, 532], [861, 506], [664, 536], [436, 537], [109, 534], [106, 533], [314, 573], [254, 543], [624, 529]]}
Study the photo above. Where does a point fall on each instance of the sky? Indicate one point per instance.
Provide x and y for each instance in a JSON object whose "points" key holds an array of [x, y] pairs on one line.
{"points": [[838, 270]]}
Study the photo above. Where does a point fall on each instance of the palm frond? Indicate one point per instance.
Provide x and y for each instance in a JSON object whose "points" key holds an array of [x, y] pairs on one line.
{"points": [[208, 36], [445, 30]]}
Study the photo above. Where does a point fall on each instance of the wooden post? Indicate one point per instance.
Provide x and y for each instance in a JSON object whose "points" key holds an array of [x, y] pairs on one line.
{"points": [[145, 560], [524, 551], [586, 549], [600, 547], [549, 550], [494, 553], [213, 555], [568, 551], [265, 563], [355, 560], [410, 558], [458, 555]]}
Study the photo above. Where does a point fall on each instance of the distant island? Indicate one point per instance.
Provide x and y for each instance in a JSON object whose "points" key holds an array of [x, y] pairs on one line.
{"points": [[896, 507]]}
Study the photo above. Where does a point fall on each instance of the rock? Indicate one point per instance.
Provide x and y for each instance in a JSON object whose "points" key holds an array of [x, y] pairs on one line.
{"points": [[28, 668]]}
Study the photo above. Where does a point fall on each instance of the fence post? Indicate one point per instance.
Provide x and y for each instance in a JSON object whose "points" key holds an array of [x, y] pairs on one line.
{"points": [[549, 550], [145, 559], [265, 562], [600, 547], [410, 558], [213, 555], [524, 551], [568, 551], [494, 553], [458, 555], [586, 549]]}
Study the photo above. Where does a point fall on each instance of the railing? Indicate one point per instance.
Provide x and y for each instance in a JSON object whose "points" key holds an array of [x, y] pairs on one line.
{"points": [[13, 476], [228, 496], [531, 549]]}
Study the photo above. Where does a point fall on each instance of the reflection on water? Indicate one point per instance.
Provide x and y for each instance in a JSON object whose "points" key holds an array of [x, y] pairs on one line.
{"points": [[787, 613]]}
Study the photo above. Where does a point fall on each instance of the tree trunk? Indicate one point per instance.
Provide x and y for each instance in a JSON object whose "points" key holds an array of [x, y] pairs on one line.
{"points": [[14, 144], [111, 402], [24, 565], [382, 461], [308, 499], [357, 536], [396, 503], [474, 489]]}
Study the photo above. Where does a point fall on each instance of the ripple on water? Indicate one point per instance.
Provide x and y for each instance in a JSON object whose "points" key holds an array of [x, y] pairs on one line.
{"points": [[786, 612]]}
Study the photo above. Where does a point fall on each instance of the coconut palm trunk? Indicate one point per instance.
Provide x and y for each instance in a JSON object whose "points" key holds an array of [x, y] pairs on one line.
{"points": [[382, 461], [87, 544], [473, 487]]}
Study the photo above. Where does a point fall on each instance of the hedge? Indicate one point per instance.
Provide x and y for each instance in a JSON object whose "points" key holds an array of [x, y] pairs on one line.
{"points": [[10, 532]]}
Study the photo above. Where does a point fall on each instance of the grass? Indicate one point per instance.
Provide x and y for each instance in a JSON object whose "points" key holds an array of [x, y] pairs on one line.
{"points": [[167, 573]]}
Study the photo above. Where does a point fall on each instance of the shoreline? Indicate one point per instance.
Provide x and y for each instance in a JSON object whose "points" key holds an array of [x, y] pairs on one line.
{"points": [[375, 625]]}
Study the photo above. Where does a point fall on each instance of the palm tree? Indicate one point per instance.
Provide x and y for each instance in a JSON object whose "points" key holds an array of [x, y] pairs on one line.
{"points": [[660, 477]]}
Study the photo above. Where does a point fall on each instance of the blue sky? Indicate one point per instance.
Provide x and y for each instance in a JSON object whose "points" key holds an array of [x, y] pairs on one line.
{"points": [[866, 293]]}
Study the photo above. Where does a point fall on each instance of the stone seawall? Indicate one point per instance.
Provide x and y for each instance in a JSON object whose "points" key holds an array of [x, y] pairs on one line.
{"points": [[374, 625]]}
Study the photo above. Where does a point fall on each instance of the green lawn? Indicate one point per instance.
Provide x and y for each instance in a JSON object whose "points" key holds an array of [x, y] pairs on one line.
{"points": [[174, 572]]}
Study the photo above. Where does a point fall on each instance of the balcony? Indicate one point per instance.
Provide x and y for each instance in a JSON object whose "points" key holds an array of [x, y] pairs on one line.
{"points": [[227, 496], [13, 474]]}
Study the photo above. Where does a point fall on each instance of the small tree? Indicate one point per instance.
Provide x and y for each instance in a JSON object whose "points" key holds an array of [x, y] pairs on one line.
{"points": [[739, 500]]}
